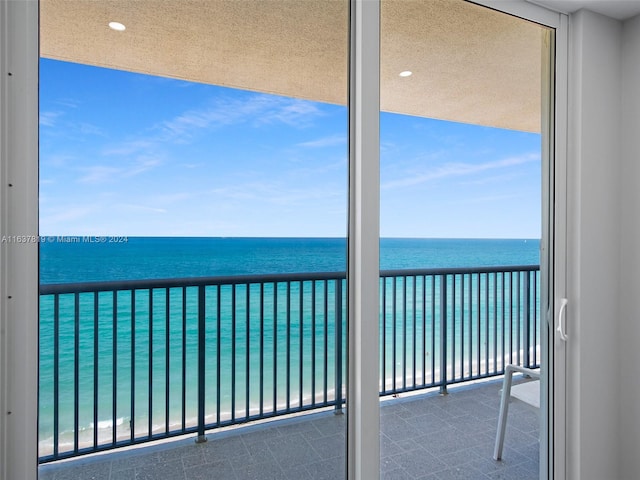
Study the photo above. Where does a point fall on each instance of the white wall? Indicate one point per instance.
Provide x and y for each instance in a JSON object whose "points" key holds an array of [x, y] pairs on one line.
{"points": [[629, 407], [593, 246]]}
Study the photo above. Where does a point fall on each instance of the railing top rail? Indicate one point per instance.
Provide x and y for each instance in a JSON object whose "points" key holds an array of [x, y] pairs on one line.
{"points": [[85, 287], [411, 272], [110, 286]]}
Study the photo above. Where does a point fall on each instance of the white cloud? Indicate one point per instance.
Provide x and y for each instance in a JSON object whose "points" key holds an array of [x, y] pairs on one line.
{"points": [[261, 193], [106, 173], [460, 170], [257, 109], [330, 141], [139, 208], [99, 174], [89, 129], [142, 164], [48, 119], [129, 147]]}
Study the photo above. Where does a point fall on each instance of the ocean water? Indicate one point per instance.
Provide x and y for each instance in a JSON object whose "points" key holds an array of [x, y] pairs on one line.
{"points": [[132, 258], [308, 353]]}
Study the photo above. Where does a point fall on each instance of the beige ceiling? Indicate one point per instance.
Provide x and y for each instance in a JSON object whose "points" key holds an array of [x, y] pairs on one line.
{"points": [[469, 64]]}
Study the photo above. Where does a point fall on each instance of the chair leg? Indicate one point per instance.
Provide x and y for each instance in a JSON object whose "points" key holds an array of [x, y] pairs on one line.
{"points": [[504, 410]]}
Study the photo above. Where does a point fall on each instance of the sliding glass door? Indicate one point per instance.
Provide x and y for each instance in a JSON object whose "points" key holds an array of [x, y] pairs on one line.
{"points": [[298, 319], [193, 211], [464, 92]]}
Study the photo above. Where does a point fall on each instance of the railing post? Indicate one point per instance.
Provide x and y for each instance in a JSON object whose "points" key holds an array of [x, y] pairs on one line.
{"points": [[338, 347], [443, 334], [527, 320], [201, 438]]}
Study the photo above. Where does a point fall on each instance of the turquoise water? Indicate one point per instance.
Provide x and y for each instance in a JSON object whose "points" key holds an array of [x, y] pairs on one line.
{"points": [[309, 327], [147, 257]]}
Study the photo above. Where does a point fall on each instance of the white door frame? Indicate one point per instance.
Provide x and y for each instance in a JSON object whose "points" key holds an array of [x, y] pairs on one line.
{"points": [[19, 218], [19, 234], [364, 220], [363, 274]]}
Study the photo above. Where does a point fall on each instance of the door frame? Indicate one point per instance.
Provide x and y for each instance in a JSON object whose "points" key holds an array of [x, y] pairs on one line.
{"points": [[19, 57], [19, 52]]}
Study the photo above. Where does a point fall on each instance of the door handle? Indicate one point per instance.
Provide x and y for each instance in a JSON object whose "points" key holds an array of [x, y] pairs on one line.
{"points": [[561, 314]]}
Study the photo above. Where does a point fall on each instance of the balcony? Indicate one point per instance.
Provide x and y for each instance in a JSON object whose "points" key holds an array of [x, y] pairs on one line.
{"points": [[124, 363]]}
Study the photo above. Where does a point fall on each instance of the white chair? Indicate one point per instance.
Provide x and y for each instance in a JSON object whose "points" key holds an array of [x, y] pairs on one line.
{"points": [[528, 392]]}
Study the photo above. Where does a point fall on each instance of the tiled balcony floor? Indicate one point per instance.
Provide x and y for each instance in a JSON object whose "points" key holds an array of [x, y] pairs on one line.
{"points": [[423, 437]]}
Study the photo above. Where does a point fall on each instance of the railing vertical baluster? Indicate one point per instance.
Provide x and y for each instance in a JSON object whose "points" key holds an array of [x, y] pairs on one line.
{"points": [[394, 337], [167, 348], [338, 347], [479, 324], [453, 326], [218, 352], [150, 389], [443, 334], [261, 349], [233, 351], [201, 363], [433, 329], [424, 329], [486, 323], [96, 352], [504, 314], [526, 320], [76, 370], [301, 344], [470, 341], [288, 348], [384, 334], [495, 322], [415, 326], [313, 342], [326, 342], [248, 351], [519, 317], [404, 333], [56, 374], [132, 420], [184, 357], [535, 318], [462, 297], [275, 347], [511, 317], [114, 377]]}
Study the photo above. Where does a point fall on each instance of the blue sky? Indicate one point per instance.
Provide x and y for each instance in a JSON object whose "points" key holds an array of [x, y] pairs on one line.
{"points": [[130, 154]]}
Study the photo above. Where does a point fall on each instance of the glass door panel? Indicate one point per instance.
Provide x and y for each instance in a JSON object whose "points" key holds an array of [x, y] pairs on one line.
{"points": [[460, 226], [193, 212]]}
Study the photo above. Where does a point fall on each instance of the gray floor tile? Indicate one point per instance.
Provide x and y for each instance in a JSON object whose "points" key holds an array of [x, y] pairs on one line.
{"points": [[297, 472], [98, 471], [330, 447], [129, 474], [220, 470], [424, 437], [132, 460], [260, 471], [461, 473], [45, 473], [161, 471], [224, 448], [397, 474], [330, 469]]}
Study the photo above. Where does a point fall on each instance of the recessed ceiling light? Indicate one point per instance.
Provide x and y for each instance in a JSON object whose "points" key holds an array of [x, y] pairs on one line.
{"points": [[117, 26], [406, 73]]}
